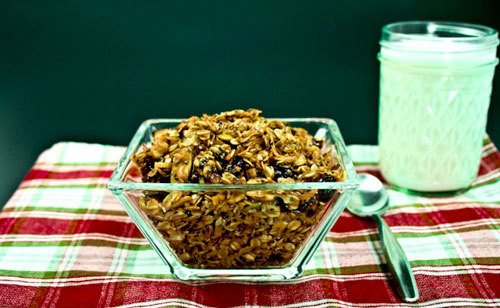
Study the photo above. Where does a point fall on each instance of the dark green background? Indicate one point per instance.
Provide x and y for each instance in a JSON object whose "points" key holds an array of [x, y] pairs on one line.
{"points": [[93, 70]]}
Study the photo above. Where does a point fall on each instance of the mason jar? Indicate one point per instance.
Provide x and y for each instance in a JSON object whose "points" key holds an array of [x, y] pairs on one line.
{"points": [[435, 88]]}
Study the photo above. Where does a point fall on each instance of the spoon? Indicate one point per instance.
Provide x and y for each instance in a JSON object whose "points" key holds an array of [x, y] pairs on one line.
{"points": [[372, 200]]}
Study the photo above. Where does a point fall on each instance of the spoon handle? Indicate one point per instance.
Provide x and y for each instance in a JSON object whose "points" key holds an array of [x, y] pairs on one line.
{"points": [[398, 263]]}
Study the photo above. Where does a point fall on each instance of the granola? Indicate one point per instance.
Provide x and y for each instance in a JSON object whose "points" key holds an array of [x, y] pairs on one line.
{"points": [[236, 229]]}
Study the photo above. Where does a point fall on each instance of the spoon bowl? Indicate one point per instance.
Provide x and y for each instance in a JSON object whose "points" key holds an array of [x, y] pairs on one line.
{"points": [[371, 197]]}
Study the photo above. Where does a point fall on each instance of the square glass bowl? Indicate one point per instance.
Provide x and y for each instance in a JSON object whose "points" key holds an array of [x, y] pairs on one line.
{"points": [[287, 244]]}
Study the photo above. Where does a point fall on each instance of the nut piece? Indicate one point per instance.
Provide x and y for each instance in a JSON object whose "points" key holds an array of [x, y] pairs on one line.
{"points": [[269, 172], [294, 225], [225, 137], [249, 257], [235, 246]]}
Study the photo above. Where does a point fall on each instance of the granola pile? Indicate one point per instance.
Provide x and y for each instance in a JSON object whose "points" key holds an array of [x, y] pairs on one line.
{"points": [[236, 229]]}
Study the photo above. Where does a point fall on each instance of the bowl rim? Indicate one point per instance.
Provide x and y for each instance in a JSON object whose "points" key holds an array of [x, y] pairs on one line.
{"points": [[116, 183]]}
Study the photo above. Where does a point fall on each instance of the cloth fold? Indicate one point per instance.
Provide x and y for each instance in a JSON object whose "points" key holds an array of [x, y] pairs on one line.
{"points": [[65, 241]]}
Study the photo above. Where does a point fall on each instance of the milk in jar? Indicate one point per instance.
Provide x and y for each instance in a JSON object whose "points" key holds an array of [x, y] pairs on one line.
{"points": [[435, 87]]}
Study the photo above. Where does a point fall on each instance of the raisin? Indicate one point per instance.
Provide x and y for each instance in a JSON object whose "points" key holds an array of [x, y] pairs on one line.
{"points": [[308, 204], [327, 178], [279, 202], [223, 163], [283, 172], [238, 162], [195, 177], [147, 165], [158, 195], [275, 257], [326, 194], [318, 143]]}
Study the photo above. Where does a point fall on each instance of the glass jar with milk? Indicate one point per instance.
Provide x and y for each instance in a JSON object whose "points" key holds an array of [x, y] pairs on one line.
{"points": [[435, 87]]}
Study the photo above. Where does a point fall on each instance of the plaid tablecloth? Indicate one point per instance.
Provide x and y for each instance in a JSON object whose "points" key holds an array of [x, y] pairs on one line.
{"points": [[65, 241]]}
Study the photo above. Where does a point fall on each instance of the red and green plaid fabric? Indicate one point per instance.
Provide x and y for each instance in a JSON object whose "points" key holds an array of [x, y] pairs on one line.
{"points": [[65, 241]]}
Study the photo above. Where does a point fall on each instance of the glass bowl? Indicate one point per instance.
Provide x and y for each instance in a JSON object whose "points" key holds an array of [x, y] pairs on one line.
{"points": [[289, 245]]}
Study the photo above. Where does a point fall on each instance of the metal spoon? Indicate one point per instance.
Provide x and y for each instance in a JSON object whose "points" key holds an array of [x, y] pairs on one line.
{"points": [[372, 200]]}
